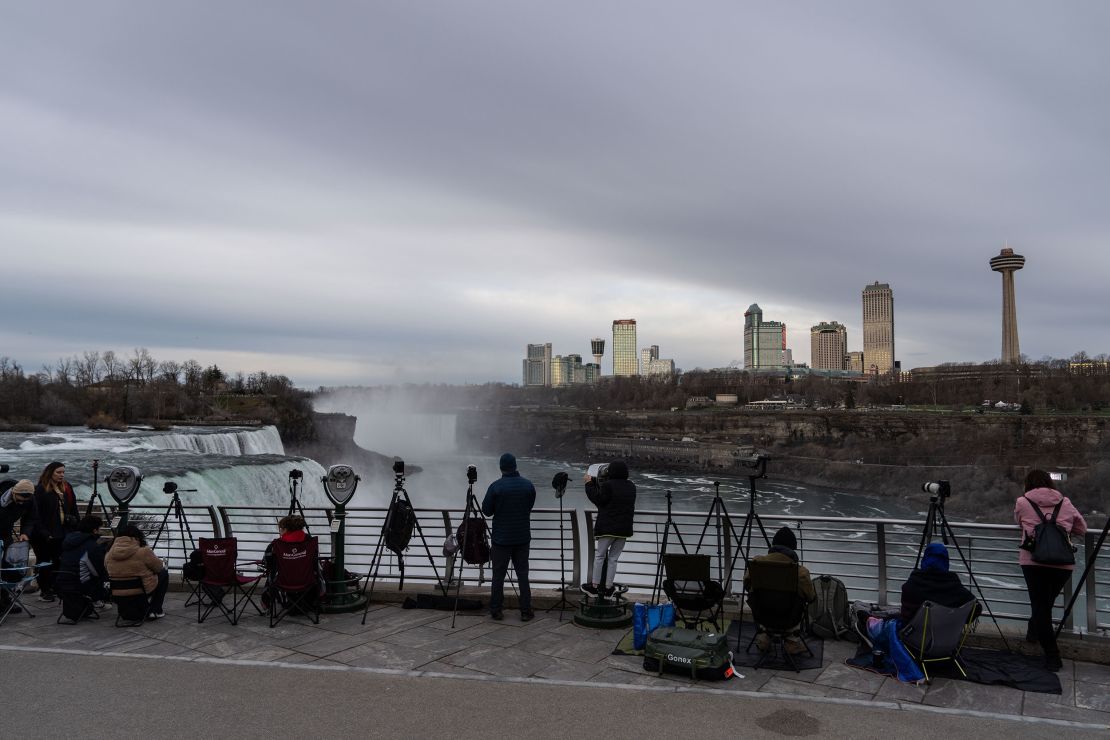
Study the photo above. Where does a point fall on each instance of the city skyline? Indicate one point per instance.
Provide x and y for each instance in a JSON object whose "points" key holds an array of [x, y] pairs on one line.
{"points": [[372, 194]]}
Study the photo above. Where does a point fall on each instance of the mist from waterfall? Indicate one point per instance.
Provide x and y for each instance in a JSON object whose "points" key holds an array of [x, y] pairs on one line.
{"points": [[394, 421]]}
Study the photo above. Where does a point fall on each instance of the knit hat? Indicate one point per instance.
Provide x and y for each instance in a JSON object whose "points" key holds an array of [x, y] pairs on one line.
{"points": [[23, 490], [785, 538], [935, 558], [507, 463]]}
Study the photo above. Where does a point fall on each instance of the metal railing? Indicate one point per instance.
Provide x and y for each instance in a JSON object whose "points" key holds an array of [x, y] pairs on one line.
{"points": [[872, 556]]}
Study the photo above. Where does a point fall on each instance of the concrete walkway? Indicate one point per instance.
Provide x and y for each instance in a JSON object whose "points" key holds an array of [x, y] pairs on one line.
{"points": [[416, 644]]}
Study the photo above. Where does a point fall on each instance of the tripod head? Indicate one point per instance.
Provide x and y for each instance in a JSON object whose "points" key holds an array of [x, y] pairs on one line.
{"points": [[559, 483], [757, 464], [399, 474]]}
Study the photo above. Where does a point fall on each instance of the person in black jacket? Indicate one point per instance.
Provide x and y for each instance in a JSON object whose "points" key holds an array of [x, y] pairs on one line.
{"points": [[83, 559], [615, 499], [509, 500], [15, 507], [934, 582], [54, 516]]}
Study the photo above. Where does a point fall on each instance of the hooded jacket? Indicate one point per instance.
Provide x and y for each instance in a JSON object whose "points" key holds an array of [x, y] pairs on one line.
{"points": [[615, 499], [128, 559], [782, 554], [509, 500], [1069, 519], [940, 587], [82, 554], [13, 510]]}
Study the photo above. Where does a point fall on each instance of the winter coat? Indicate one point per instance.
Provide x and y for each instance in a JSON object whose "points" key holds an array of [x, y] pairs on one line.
{"points": [[615, 499], [128, 559], [509, 500], [1046, 498], [778, 554], [47, 522], [940, 587], [12, 511], [83, 554]]}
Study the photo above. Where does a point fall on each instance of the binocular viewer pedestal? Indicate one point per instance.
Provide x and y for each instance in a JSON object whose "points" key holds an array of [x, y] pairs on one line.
{"points": [[604, 612]]}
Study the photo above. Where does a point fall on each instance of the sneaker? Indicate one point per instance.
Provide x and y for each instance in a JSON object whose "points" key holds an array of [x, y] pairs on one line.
{"points": [[103, 605], [497, 616], [155, 615], [608, 591], [589, 588], [47, 597], [527, 615]]}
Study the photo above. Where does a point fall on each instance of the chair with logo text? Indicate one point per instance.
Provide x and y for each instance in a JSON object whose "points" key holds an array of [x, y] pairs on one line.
{"points": [[692, 589], [294, 585], [223, 581]]}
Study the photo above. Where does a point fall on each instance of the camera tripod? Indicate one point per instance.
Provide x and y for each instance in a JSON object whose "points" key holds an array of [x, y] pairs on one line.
{"points": [[472, 510], [668, 525], [295, 477], [560, 485], [399, 494], [183, 530], [1092, 556], [936, 521], [96, 498], [751, 520]]}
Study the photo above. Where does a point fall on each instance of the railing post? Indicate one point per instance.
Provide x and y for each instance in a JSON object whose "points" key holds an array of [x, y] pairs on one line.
{"points": [[590, 546], [576, 572], [1069, 589], [880, 540], [728, 535], [1091, 584]]}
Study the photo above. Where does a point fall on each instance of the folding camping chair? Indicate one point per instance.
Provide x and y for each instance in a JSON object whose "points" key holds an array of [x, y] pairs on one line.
{"points": [[937, 633], [16, 574], [692, 589], [777, 607], [131, 609], [222, 579], [76, 604], [294, 585]]}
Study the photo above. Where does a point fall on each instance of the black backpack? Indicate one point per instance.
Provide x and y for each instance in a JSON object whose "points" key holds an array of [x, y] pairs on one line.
{"points": [[473, 538], [828, 613], [399, 523], [1051, 544], [193, 569]]}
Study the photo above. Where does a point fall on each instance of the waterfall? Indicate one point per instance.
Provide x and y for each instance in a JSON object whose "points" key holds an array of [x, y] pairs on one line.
{"points": [[264, 441]]}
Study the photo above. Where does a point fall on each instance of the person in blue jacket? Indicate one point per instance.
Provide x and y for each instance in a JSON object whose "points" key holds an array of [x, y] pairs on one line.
{"points": [[509, 500]]}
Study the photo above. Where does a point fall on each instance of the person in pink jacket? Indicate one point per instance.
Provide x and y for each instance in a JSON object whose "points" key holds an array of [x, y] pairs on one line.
{"points": [[1044, 582]]}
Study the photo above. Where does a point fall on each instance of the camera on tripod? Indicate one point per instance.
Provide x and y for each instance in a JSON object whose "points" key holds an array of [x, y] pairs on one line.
{"points": [[559, 483], [758, 463], [599, 472], [4, 468], [940, 488], [471, 474], [398, 468], [295, 474], [169, 488]]}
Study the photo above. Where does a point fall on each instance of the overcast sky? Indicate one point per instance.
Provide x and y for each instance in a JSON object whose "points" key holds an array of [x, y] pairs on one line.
{"points": [[362, 193]]}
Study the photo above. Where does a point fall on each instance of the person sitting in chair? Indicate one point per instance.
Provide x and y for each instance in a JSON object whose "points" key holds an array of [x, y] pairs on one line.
{"points": [[129, 557], [934, 582], [783, 550], [290, 529], [83, 555]]}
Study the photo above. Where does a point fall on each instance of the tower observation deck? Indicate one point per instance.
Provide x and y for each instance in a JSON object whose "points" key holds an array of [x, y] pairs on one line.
{"points": [[1008, 263]]}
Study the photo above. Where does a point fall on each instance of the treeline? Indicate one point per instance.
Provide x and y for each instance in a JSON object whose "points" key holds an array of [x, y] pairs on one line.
{"points": [[108, 390]]}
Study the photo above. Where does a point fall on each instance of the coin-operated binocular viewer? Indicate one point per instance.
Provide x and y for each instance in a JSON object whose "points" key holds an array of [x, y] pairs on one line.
{"points": [[342, 592], [123, 485]]}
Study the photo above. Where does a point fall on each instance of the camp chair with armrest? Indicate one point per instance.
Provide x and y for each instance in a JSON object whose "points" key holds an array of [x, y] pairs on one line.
{"points": [[16, 574], [76, 604], [131, 608], [223, 581], [937, 633], [294, 583], [777, 607], [692, 589]]}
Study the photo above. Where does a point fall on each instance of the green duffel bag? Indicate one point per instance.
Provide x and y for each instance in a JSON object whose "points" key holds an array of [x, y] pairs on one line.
{"points": [[678, 650]]}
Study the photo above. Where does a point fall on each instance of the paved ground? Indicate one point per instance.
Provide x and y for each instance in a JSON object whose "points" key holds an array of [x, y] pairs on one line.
{"points": [[410, 657]]}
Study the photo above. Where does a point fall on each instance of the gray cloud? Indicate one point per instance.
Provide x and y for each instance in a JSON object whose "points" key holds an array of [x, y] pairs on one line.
{"points": [[368, 192]]}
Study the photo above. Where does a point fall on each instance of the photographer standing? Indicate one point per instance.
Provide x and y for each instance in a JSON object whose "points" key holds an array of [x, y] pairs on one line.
{"points": [[54, 516], [509, 500], [615, 499]]}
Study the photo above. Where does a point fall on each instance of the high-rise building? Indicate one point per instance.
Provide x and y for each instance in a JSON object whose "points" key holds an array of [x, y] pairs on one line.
{"points": [[853, 361], [764, 341], [537, 364], [1008, 263], [828, 344], [878, 329], [659, 366], [625, 362], [647, 354]]}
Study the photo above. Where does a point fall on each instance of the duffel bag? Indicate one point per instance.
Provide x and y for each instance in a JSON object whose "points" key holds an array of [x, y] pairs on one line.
{"points": [[678, 650]]}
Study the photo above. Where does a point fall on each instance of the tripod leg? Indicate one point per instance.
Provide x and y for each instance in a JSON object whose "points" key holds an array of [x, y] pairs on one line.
{"points": [[1092, 556], [947, 528]]}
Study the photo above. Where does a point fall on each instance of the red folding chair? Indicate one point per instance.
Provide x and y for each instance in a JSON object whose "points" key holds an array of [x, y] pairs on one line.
{"points": [[223, 579], [295, 580]]}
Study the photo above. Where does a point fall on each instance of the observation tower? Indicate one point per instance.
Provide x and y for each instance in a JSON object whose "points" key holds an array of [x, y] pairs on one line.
{"points": [[597, 347], [1008, 263]]}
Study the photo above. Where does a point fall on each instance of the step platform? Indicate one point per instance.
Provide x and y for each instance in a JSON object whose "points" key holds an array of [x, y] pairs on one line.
{"points": [[604, 612]]}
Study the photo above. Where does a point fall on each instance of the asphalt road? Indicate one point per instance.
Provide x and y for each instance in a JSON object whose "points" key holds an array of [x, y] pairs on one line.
{"points": [[52, 695]]}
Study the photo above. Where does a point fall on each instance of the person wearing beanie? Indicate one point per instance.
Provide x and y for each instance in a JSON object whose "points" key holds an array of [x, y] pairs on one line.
{"points": [[509, 501], [16, 506], [932, 581], [784, 549], [615, 499]]}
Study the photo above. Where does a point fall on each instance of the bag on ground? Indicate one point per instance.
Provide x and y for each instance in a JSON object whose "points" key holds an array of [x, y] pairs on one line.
{"points": [[646, 618], [828, 613], [695, 653]]}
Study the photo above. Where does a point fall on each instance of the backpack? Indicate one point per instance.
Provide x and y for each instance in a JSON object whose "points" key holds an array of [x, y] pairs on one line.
{"points": [[473, 538], [828, 613], [399, 523], [193, 569], [679, 650], [1051, 544]]}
